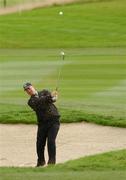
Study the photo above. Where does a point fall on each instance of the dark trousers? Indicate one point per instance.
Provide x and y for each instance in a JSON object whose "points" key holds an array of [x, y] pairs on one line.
{"points": [[47, 132]]}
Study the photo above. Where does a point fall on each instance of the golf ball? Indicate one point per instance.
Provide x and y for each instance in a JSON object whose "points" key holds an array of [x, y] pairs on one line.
{"points": [[62, 53], [60, 13]]}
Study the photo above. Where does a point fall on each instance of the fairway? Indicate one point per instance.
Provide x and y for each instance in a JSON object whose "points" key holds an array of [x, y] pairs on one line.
{"points": [[98, 24], [93, 78], [92, 81]]}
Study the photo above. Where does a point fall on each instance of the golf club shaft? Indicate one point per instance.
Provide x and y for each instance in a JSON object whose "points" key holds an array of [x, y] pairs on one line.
{"points": [[59, 73]]}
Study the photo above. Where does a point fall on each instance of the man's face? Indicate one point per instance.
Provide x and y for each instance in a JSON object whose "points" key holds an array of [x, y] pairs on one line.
{"points": [[30, 90]]}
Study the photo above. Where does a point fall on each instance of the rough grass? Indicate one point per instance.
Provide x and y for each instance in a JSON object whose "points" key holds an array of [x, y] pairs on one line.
{"points": [[68, 116], [104, 166]]}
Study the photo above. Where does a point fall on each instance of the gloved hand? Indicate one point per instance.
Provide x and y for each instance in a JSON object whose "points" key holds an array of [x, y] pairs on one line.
{"points": [[54, 95]]}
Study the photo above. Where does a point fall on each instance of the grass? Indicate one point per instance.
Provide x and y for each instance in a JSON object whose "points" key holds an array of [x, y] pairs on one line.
{"points": [[92, 85], [96, 24], [18, 114], [17, 2], [105, 166], [93, 75]]}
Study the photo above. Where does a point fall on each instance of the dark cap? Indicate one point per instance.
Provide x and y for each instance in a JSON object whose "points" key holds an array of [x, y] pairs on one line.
{"points": [[27, 85]]}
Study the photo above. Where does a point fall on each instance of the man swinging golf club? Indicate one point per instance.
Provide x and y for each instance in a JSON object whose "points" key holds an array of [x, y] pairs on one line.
{"points": [[48, 121]]}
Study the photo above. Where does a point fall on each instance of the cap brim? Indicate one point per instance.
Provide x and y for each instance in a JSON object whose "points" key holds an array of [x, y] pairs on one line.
{"points": [[25, 88]]}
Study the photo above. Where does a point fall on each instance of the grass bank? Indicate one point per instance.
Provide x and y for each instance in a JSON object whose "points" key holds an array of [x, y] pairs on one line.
{"points": [[104, 166], [21, 115]]}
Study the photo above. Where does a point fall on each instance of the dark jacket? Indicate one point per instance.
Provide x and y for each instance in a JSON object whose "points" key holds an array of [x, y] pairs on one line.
{"points": [[44, 107]]}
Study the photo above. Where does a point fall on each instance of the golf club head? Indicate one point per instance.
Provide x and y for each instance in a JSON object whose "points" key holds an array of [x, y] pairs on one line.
{"points": [[63, 55], [60, 68]]}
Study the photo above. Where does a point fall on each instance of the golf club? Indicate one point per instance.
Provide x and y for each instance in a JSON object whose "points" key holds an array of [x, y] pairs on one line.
{"points": [[59, 71]]}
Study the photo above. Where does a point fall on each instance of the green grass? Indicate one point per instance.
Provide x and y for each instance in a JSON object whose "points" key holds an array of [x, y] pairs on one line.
{"points": [[105, 166], [16, 2], [96, 24], [92, 84]]}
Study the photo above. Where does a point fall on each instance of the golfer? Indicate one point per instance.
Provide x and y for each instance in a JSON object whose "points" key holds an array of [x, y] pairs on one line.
{"points": [[48, 121]]}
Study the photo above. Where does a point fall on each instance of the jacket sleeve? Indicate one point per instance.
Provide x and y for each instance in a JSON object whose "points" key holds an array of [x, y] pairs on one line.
{"points": [[51, 99], [36, 102], [48, 96], [32, 103]]}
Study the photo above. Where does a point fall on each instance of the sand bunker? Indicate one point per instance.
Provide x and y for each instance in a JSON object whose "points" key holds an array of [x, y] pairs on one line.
{"points": [[17, 142]]}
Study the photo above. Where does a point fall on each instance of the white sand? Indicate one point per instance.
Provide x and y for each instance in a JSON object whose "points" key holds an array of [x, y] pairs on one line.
{"points": [[17, 142]]}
